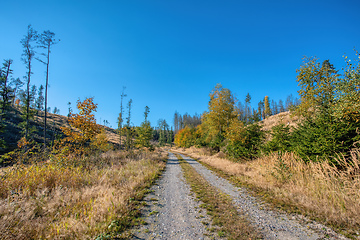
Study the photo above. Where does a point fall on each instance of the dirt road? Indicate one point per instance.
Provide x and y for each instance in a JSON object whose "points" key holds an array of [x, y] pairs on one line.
{"points": [[172, 213]]}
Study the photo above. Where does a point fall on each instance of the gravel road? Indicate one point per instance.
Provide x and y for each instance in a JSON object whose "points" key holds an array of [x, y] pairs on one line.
{"points": [[171, 211], [272, 224]]}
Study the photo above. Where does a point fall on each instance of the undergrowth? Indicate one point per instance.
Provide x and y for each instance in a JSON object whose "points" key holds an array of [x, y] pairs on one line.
{"points": [[97, 196]]}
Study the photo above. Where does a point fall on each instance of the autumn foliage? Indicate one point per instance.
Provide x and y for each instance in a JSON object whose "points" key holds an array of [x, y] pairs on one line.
{"points": [[84, 133]]}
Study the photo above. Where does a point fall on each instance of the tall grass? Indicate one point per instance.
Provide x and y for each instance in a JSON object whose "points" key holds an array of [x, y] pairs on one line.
{"points": [[50, 200], [318, 189]]}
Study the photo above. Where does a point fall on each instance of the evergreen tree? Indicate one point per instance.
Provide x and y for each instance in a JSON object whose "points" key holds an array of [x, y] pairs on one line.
{"points": [[247, 108], [144, 132], [281, 106], [45, 41], [267, 109], [28, 55], [128, 129], [6, 91], [120, 118], [17, 84], [39, 102]]}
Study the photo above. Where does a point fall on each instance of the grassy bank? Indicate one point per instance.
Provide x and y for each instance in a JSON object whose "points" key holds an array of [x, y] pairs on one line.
{"points": [[50, 200], [318, 190], [218, 206]]}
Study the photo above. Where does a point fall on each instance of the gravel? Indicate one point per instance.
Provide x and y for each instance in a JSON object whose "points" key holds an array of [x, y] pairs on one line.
{"points": [[272, 224], [171, 211]]}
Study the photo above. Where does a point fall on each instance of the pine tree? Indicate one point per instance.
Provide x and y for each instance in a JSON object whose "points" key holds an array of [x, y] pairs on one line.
{"points": [[45, 41], [28, 55]]}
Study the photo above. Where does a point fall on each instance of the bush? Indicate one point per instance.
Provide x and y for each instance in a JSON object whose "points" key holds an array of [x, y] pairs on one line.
{"points": [[280, 139], [248, 145]]}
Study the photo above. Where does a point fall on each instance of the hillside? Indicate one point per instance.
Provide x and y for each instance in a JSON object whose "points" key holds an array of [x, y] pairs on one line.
{"points": [[12, 132], [283, 117]]}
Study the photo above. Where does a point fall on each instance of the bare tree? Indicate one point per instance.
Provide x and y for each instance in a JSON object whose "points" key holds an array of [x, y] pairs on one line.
{"points": [[121, 115]]}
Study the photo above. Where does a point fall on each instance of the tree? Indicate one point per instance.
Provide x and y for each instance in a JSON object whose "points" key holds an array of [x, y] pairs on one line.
{"points": [[17, 84], [128, 129], [317, 87], [120, 118], [39, 102], [222, 110], [348, 99], [45, 41], [247, 108], [163, 128], [28, 55], [323, 132], [69, 109], [281, 106], [261, 110], [267, 109], [6, 91], [79, 140], [144, 132]]}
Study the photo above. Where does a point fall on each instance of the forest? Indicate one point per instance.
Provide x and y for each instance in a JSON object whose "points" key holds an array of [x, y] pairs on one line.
{"points": [[328, 109]]}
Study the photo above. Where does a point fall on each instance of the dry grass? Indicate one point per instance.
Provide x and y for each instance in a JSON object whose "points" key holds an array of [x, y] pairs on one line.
{"points": [[52, 201], [284, 117], [318, 190]]}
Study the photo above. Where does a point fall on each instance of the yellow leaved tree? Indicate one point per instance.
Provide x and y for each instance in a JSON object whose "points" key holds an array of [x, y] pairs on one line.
{"points": [[84, 134]]}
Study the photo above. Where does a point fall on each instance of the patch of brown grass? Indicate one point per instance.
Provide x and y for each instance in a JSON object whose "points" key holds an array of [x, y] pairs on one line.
{"points": [[316, 189], [52, 201], [284, 117]]}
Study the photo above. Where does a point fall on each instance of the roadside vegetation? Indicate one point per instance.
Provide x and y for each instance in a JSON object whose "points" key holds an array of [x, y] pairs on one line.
{"points": [[310, 167]]}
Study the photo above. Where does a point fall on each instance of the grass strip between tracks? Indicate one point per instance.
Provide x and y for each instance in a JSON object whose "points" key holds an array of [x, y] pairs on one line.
{"points": [[219, 206]]}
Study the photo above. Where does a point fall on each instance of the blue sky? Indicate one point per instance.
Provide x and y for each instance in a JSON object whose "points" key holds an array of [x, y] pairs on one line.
{"points": [[170, 54]]}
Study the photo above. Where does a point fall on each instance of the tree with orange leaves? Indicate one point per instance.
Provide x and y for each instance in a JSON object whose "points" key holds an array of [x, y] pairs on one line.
{"points": [[83, 129]]}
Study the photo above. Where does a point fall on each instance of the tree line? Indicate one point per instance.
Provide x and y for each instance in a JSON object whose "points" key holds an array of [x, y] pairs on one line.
{"points": [[30, 99], [328, 108]]}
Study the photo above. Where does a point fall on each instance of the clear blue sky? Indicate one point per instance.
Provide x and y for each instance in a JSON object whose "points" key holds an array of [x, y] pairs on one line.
{"points": [[170, 54]]}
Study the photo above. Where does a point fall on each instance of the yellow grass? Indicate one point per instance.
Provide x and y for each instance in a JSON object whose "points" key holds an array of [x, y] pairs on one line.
{"points": [[52, 201], [316, 189]]}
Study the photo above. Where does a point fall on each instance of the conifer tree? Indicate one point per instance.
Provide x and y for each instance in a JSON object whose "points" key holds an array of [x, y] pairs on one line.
{"points": [[281, 106], [17, 83], [45, 41], [39, 102], [120, 118], [144, 132], [28, 56], [128, 128], [6, 91], [267, 110]]}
